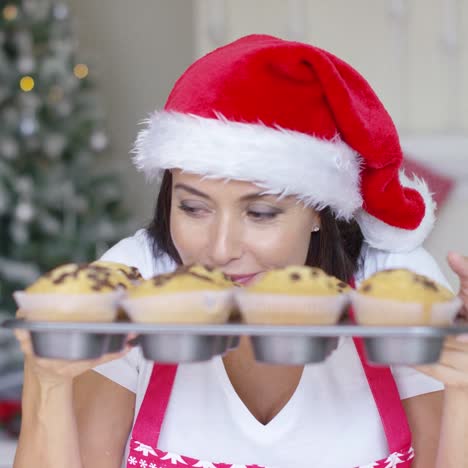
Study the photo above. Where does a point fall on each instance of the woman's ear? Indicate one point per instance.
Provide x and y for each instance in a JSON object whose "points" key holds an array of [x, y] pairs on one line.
{"points": [[316, 223]]}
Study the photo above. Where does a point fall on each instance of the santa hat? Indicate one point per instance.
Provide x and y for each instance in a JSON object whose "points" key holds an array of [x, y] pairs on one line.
{"points": [[295, 120]]}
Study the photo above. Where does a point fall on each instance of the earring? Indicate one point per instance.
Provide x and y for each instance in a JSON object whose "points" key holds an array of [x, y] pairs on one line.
{"points": [[316, 229]]}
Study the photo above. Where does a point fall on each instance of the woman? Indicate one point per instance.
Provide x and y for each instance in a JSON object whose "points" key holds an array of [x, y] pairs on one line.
{"points": [[271, 153]]}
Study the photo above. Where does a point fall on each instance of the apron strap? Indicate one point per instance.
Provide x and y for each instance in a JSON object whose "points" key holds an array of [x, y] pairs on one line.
{"points": [[153, 408], [388, 402], [380, 379], [386, 397]]}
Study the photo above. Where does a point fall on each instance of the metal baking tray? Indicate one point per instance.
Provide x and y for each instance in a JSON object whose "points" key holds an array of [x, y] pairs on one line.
{"points": [[76, 341], [274, 344]]}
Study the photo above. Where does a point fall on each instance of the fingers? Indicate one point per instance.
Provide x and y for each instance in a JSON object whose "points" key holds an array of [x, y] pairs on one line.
{"points": [[53, 371], [447, 375], [20, 314], [112, 356], [23, 336], [452, 367], [455, 359], [24, 341], [131, 339], [457, 343], [429, 370], [132, 342], [62, 366], [459, 264]]}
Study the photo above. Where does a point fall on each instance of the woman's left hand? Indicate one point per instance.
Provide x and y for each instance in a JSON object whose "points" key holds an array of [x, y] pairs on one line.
{"points": [[452, 368], [459, 264]]}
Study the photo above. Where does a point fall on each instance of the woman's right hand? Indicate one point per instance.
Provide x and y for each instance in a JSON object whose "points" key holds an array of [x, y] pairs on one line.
{"points": [[53, 431], [56, 371]]}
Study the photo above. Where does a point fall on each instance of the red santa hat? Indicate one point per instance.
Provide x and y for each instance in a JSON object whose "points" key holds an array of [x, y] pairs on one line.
{"points": [[295, 120]]}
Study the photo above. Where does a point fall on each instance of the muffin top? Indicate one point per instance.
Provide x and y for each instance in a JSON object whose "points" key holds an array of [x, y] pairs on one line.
{"points": [[127, 275], [184, 279], [406, 286], [299, 280], [213, 274], [73, 278]]}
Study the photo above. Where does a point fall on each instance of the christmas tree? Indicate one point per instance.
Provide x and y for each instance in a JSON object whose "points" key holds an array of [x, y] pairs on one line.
{"points": [[54, 206]]}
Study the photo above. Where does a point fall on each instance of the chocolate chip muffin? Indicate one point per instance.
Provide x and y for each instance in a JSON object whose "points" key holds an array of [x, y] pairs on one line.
{"points": [[406, 286], [295, 295], [403, 297], [73, 292], [128, 275], [300, 281], [191, 294], [213, 274], [184, 279], [83, 278]]}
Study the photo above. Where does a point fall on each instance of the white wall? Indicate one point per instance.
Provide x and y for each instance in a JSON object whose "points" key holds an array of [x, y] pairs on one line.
{"points": [[136, 49], [364, 33]]}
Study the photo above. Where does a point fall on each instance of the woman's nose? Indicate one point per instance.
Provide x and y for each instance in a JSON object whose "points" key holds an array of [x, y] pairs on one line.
{"points": [[225, 241]]}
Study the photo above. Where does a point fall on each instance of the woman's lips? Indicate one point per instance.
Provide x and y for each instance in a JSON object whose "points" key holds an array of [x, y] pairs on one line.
{"points": [[243, 279]]}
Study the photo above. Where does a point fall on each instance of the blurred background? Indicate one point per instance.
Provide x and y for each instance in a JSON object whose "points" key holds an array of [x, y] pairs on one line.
{"points": [[77, 77]]}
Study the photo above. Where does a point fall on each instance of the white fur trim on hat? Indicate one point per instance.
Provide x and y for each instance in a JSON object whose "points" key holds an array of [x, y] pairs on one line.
{"points": [[385, 237], [319, 172]]}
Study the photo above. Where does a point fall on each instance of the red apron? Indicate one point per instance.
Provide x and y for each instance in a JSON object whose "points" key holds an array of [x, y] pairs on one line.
{"points": [[144, 454]]}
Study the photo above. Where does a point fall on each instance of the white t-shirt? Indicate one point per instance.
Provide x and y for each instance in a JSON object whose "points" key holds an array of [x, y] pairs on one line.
{"points": [[331, 421]]}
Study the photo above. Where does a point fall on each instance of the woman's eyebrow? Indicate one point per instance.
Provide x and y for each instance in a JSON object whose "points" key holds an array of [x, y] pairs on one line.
{"points": [[193, 191], [253, 196]]}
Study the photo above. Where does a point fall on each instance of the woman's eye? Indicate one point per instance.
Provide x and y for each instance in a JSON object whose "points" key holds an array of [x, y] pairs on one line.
{"points": [[262, 215], [192, 210]]}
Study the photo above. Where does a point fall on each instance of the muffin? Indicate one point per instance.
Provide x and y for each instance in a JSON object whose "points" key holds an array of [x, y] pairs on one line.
{"points": [[127, 276], [295, 295], [191, 294], [73, 292], [85, 278], [213, 274], [403, 297]]}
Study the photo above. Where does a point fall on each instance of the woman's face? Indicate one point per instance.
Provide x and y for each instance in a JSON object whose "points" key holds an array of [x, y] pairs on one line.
{"points": [[230, 226]]}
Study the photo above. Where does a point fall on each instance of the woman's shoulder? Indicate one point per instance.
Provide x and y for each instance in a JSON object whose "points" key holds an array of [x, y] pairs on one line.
{"points": [[138, 251], [418, 260]]}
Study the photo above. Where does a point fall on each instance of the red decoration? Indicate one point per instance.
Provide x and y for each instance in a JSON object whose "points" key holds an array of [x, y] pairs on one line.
{"points": [[440, 185], [10, 414], [8, 410]]}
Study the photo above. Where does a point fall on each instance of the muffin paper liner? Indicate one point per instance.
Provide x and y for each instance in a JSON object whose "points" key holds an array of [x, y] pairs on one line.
{"points": [[282, 309], [370, 310], [59, 307], [211, 307]]}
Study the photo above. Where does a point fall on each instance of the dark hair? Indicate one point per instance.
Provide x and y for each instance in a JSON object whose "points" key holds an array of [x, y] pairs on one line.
{"points": [[335, 248]]}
